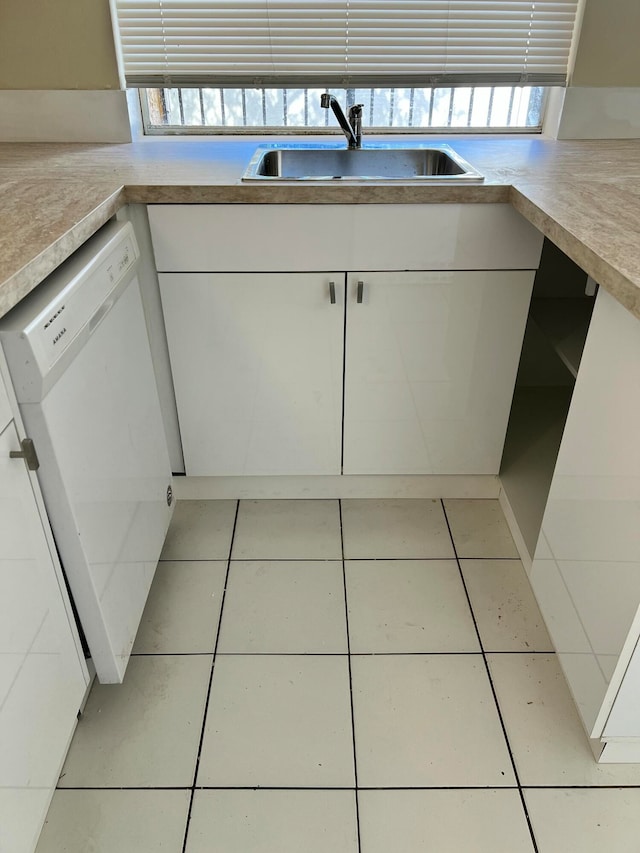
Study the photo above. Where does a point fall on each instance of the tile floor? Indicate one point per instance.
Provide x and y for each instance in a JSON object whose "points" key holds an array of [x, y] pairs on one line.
{"points": [[334, 677]]}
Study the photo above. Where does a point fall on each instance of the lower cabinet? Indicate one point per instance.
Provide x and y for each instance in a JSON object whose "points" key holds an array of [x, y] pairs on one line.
{"points": [[429, 362], [272, 377], [43, 678]]}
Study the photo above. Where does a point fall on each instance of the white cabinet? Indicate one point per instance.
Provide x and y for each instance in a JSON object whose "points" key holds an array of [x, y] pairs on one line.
{"points": [[257, 367], [586, 570], [431, 360], [43, 678], [256, 346]]}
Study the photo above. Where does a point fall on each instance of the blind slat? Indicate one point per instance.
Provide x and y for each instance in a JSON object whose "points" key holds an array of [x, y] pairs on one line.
{"points": [[278, 41]]}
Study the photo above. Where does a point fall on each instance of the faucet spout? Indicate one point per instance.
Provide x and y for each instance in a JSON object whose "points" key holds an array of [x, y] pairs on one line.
{"points": [[351, 126]]}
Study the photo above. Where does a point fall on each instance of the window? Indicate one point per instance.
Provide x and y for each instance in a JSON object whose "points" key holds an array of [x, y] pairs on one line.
{"points": [[414, 64], [386, 110]]}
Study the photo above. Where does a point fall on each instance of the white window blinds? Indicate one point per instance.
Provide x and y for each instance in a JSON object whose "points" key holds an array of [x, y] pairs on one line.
{"points": [[342, 43]]}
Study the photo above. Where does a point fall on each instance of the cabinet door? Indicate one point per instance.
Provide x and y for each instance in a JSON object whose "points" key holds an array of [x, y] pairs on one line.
{"points": [[257, 364], [431, 359], [42, 679]]}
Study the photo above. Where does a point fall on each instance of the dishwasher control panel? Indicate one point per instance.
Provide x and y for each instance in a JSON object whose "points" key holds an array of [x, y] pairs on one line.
{"points": [[73, 299]]}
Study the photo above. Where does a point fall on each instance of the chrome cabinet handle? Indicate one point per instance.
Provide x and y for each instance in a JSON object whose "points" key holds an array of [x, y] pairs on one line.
{"points": [[28, 453], [360, 292], [332, 292]]}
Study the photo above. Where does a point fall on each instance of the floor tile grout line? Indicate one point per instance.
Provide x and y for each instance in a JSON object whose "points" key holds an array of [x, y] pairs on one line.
{"points": [[612, 787], [428, 652], [399, 559], [353, 719], [171, 654], [213, 664], [493, 690], [126, 788], [189, 788], [361, 788]]}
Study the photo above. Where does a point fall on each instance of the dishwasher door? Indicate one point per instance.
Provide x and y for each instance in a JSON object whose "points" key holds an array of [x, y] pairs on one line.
{"points": [[105, 476]]}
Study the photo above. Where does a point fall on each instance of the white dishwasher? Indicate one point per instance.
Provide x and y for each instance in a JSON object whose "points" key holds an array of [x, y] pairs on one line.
{"points": [[79, 358]]}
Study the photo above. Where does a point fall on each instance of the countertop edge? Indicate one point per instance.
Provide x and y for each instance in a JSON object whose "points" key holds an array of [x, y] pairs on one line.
{"points": [[288, 193], [34, 271], [606, 275], [24, 280]]}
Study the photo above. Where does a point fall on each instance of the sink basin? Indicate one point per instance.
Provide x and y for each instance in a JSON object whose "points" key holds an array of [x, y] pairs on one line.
{"points": [[382, 163]]}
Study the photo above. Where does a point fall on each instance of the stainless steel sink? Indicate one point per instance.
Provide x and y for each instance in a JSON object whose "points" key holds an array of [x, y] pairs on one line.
{"points": [[372, 163]]}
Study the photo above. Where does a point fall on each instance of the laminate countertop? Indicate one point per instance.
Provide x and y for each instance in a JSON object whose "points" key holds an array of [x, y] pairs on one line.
{"points": [[583, 195]]}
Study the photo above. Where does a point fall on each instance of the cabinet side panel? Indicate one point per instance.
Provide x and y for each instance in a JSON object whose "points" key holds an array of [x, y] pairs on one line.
{"points": [[150, 294], [586, 570]]}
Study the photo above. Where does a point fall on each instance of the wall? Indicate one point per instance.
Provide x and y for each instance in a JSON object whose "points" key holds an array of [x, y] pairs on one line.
{"points": [[67, 46], [57, 44], [607, 53], [59, 79], [603, 98]]}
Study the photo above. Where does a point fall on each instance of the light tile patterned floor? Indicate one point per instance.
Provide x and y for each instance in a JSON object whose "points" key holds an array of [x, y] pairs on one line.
{"points": [[339, 677]]}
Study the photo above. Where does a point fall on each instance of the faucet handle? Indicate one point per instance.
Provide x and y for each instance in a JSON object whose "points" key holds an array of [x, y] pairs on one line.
{"points": [[355, 120]]}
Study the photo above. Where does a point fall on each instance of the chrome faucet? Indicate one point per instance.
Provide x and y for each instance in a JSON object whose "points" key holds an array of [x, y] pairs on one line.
{"points": [[351, 125]]}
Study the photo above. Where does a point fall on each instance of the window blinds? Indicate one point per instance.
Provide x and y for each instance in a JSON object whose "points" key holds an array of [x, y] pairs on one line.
{"points": [[342, 43]]}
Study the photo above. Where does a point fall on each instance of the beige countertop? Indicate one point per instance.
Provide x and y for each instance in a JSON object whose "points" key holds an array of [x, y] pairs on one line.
{"points": [[584, 196]]}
